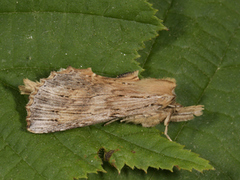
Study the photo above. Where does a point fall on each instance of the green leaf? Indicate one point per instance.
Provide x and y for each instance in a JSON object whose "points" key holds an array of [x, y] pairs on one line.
{"points": [[200, 50], [49, 35], [143, 147]]}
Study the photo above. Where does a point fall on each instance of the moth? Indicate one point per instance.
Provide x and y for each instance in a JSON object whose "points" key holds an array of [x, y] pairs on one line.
{"points": [[72, 98]]}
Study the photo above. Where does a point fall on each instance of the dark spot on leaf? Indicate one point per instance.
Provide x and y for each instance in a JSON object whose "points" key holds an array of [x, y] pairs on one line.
{"points": [[108, 155]]}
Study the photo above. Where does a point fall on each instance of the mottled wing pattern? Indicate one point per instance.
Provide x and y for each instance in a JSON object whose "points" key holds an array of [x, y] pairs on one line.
{"points": [[80, 98], [74, 98]]}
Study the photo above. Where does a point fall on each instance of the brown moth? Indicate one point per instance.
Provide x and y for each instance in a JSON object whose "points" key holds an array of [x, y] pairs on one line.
{"points": [[74, 98]]}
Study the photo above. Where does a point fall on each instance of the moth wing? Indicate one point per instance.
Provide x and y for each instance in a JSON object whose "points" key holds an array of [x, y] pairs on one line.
{"points": [[65, 100]]}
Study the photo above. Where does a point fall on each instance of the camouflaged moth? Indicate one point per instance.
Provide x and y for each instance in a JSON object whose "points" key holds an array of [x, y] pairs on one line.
{"points": [[74, 98]]}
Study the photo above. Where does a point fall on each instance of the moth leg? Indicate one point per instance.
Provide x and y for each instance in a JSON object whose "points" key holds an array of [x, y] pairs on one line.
{"points": [[166, 123], [112, 120]]}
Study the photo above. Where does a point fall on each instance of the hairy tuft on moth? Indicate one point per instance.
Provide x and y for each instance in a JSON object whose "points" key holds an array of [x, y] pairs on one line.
{"points": [[72, 98]]}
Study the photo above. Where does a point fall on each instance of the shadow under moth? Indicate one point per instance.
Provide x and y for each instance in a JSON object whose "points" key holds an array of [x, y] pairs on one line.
{"points": [[74, 98]]}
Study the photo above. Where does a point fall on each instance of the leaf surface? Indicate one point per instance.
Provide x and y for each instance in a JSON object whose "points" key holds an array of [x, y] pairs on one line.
{"points": [[199, 50]]}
